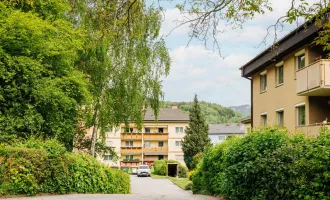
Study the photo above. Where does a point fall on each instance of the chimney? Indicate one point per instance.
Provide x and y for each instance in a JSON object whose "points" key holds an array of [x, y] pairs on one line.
{"points": [[175, 107]]}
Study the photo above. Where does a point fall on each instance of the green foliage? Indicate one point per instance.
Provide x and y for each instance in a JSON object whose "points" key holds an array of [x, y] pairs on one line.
{"points": [[266, 164], [47, 168], [40, 88], [196, 159], [160, 167], [213, 113], [196, 139]]}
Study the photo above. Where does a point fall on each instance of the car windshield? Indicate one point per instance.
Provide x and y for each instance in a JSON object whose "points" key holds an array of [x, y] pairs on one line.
{"points": [[143, 167]]}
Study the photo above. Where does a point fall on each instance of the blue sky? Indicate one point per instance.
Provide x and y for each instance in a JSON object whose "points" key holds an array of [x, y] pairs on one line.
{"points": [[214, 79]]}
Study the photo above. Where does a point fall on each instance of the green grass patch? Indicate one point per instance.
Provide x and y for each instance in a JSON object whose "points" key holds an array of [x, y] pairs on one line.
{"points": [[158, 176], [183, 183]]}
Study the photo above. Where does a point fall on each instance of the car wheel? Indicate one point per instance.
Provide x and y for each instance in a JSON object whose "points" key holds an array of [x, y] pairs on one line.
{"points": [[138, 176]]}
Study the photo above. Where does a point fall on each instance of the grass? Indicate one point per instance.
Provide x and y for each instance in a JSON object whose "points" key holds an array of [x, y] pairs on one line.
{"points": [[181, 182], [158, 176]]}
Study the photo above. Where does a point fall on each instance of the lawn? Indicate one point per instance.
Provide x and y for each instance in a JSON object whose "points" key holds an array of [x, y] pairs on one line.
{"points": [[158, 176], [183, 183]]}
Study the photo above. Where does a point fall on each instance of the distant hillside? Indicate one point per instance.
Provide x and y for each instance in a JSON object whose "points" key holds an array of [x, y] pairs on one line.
{"points": [[214, 113], [244, 109]]}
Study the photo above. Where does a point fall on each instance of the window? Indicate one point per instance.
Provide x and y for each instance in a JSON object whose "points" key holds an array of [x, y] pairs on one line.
{"points": [[300, 61], [129, 157], [222, 138], [280, 117], [160, 144], [160, 130], [147, 144], [279, 75], [263, 82], [147, 129], [129, 144], [301, 116], [263, 119], [107, 157], [178, 143], [179, 129], [160, 157], [131, 130]]}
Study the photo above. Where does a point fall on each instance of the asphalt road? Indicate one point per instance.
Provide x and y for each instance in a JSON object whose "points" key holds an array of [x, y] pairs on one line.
{"points": [[143, 188]]}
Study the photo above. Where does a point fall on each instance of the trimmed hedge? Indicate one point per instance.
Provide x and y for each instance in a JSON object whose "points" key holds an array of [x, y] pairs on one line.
{"points": [[267, 164], [52, 170], [160, 168]]}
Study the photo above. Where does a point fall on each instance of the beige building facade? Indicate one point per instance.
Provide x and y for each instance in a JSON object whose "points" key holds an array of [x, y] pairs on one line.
{"points": [[290, 85], [158, 140]]}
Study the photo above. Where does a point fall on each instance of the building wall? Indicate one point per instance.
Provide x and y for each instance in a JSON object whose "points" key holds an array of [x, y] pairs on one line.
{"points": [[175, 152], [277, 97]]}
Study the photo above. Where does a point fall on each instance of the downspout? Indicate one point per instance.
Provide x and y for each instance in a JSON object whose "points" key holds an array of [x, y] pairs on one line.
{"points": [[251, 81]]}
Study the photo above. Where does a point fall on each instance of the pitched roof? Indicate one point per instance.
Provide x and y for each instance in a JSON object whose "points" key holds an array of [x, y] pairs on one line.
{"points": [[226, 128], [166, 114], [246, 120], [295, 39]]}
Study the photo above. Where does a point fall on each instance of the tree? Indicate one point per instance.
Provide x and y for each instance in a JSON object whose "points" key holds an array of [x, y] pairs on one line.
{"points": [[41, 92], [207, 19], [196, 139], [68, 65]]}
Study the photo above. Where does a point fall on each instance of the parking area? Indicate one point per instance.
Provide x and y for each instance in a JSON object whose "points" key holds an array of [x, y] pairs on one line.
{"points": [[143, 188]]}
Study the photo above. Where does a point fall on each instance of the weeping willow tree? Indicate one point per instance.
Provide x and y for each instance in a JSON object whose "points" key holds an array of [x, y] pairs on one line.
{"points": [[120, 53]]}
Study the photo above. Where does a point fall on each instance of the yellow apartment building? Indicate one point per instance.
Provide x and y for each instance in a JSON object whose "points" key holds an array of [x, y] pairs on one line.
{"points": [[290, 85], [156, 141]]}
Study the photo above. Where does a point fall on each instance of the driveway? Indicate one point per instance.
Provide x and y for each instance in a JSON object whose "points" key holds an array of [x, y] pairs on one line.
{"points": [[143, 188]]}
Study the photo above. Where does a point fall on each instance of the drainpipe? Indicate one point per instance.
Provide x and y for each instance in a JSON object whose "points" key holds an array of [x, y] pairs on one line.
{"points": [[251, 81]]}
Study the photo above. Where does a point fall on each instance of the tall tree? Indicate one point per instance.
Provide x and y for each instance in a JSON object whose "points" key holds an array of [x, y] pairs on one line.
{"points": [[112, 48], [196, 139]]}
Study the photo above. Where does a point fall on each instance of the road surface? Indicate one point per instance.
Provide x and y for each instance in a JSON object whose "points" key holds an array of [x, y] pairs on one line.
{"points": [[143, 188]]}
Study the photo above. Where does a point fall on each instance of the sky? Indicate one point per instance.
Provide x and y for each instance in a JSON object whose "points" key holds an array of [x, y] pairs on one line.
{"points": [[196, 70]]}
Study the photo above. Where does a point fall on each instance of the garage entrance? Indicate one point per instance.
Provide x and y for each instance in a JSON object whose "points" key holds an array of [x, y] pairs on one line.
{"points": [[172, 169]]}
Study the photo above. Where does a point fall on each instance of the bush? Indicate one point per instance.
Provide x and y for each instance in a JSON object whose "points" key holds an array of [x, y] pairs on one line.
{"points": [[267, 164], [190, 174], [195, 160], [160, 167], [45, 170]]}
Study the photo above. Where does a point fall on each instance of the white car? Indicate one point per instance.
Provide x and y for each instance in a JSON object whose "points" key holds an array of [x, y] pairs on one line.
{"points": [[143, 170]]}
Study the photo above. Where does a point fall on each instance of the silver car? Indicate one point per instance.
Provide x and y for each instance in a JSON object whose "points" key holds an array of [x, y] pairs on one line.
{"points": [[143, 170]]}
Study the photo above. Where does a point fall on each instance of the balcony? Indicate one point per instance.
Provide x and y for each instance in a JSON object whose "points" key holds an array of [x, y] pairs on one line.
{"points": [[314, 80], [155, 151], [132, 136], [156, 137], [131, 150]]}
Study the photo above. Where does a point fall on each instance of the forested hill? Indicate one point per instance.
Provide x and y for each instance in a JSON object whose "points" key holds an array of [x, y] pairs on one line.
{"points": [[213, 113]]}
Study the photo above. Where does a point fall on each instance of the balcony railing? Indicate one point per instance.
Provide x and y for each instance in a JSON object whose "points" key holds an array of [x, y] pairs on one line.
{"points": [[131, 136], [155, 136], [314, 80], [155, 151], [131, 150]]}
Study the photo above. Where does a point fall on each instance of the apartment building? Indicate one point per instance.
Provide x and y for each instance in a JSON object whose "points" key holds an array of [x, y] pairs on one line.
{"points": [[156, 141], [290, 85]]}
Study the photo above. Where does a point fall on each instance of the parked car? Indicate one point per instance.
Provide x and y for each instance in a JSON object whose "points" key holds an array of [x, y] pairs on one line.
{"points": [[143, 170]]}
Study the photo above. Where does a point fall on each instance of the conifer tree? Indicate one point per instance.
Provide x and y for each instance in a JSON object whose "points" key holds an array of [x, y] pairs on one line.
{"points": [[196, 139]]}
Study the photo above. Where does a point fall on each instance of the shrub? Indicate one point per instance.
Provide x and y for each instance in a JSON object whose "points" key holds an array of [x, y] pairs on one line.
{"points": [[30, 171], [160, 167], [190, 174], [267, 164], [196, 159]]}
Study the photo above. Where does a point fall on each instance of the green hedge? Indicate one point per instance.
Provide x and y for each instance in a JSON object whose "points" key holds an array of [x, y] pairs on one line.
{"points": [[160, 168], [52, 170], [267, 164]]}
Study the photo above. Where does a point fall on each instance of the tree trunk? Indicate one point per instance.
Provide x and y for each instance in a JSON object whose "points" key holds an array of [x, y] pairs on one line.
{"points": [[94, 134]]}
